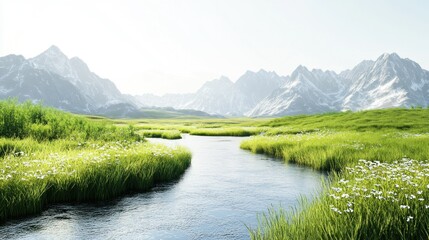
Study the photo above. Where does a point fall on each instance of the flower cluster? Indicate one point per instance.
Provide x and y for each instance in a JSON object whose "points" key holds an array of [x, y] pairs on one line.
{"points": [[402, 185]]}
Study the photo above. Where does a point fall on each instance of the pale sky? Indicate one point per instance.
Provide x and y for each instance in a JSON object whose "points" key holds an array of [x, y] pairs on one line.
{"points": [[171, 46]]}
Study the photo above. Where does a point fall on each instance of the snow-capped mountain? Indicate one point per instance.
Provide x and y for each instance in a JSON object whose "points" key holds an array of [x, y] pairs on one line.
{"points": [[390, 81], [222, 96], [57, 81], [69, 84], [305, 91], [99, 92], [213, 97], [19, 79], [252, 87]]}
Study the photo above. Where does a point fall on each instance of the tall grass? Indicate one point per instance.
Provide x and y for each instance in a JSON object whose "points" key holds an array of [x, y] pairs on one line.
{"points": [[92, 171], [166, 134], [227, 131], [48, 156], [335, 150], [41, 123], [370, 200], [381, 197]]}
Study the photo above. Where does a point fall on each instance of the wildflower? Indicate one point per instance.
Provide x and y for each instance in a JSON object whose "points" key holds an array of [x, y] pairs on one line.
{"points": [[343, 181], [336, 210], [409, 218], [345, 195], [348, 210], [404, 206]]}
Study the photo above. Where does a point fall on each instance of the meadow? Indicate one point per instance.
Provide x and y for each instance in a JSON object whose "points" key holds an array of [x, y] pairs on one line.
{"points": [[48, 156], [378, 168], [377, 163], [166, 134]]}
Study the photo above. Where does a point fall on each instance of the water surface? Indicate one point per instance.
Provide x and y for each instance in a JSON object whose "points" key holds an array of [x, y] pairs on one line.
{"points": [[219, 195]]}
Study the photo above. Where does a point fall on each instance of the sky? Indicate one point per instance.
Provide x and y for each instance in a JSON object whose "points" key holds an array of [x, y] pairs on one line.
{"points": [[170, 46]]}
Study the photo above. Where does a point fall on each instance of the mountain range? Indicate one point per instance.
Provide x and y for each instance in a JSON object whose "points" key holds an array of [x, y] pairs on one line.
{"points": [[222, 96], [389, 81], [68, 84], [57, 81]]}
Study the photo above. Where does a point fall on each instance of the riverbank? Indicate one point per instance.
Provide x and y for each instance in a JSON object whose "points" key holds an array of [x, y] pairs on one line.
{"points": [[217, 197], [48, 156], [392, 205], [379, 176]]}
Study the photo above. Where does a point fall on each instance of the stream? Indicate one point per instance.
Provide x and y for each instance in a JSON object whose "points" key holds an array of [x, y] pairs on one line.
{"points": [[221, 194]]}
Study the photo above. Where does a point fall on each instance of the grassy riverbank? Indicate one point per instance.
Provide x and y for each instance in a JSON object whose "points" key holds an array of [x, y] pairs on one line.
{"points": [[331, 150], [370, 200], [48, 156], [384, 196], [166, 134]]}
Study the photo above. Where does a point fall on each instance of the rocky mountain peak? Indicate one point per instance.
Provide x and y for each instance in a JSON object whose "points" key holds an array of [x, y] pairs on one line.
{"points": [[53, 52]]}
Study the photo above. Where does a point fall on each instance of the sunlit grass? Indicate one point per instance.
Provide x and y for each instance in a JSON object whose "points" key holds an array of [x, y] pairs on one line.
{"points": [[90, 171], [381, 197], [41, 123], [227, 131], [400, 119], [48, 156], [334, 150], [369, 200], [166, 134]]}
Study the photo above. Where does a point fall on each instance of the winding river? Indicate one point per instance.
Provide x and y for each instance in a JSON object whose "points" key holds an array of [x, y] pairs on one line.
{"points": [[219, 195]]}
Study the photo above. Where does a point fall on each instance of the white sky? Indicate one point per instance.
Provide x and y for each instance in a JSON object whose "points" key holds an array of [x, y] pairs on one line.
{"points": [[163, 46]]}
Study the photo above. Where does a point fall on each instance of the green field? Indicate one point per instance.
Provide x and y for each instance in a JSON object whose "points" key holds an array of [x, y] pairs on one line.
{"points": [[48, 156], [377, 162], [166, 134]]}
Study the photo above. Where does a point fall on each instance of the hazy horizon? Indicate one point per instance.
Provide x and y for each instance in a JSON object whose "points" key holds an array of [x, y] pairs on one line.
{"points": [[174, 47]]}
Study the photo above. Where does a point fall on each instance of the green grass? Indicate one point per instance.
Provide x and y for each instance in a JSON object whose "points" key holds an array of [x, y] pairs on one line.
{"points": [[41, 123], [381, 197], [335, 150], [226, 131], [228, 127], [48, 156], [400, 119], [370, 200], [335, 142], [29, 181], [166, 134]]}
